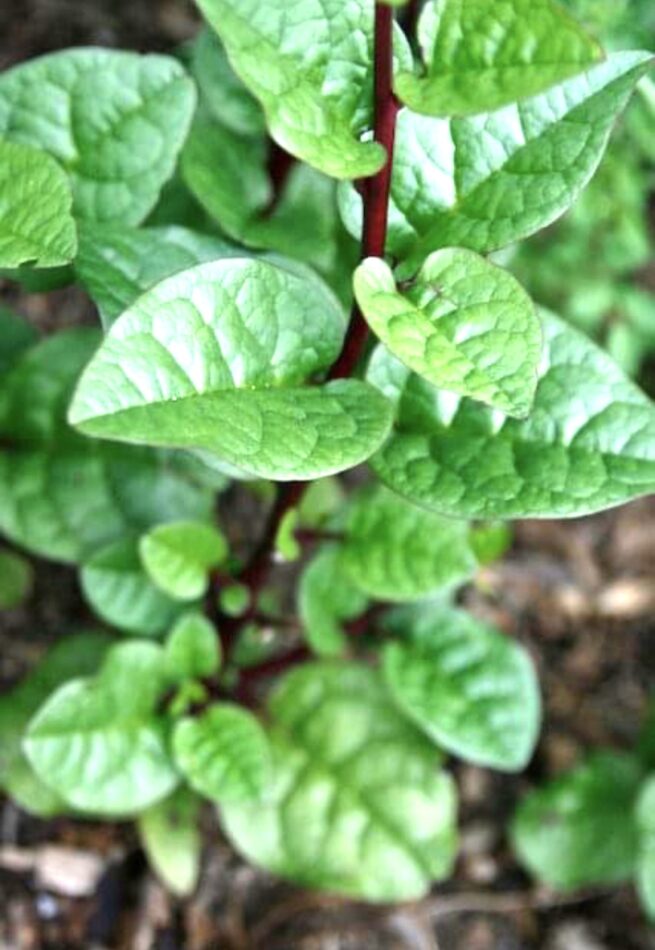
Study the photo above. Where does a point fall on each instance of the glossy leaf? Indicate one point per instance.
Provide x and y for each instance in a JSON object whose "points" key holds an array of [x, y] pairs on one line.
{"points": [[223, 753], [326, 599], [213, 359], [645, 816], [116, 586], [115, 121], [357, 805], [98, 742], [179, 555], [588, 444], [36, 225], [467, 686], [171, 838], [464, 325], [486, 181], [579, 830], [192, 649], [478, 59], [396, 551]]}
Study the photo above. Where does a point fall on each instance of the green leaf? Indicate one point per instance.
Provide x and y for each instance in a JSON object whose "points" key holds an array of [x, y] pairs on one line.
{"points": [[171, 838], [178, 557], [579, 830], [16, 578], [115, 121], [357, 805], [312, 74], [77, 655], [396, 551], [117, 264], [192, 649], [98, 742], [467, 686], [588, 444], [326, 598], [221, 91], [64, 496], [116, 586], [17, 336], [487, 181], [477, 59], [464, 324], [646, 864], [199, 362], [490, 540], [223, 754], [36, 225]]}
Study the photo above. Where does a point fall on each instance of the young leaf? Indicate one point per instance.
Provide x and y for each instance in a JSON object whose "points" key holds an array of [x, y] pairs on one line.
{"points": [[117, 264], [115, 121], [487, 181], [36, 225], [356, 805], [646, 862], [468, 687], [478, 59], [214, 358], [64, 496], [16, 578], [98, 742], [192, 649], [170, 836], [312, 74], [178, 557], [77, 655], [223, 754], [588, 443], [115, 585], [580, 829], [396, 551], [464, 324], [221, 91], [326, 598]]}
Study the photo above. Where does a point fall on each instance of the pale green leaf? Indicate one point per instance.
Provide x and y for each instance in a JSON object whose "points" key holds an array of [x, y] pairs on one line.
{"points": [[588, 444], [192, 648], [98, 742], [114, 121], [645, 873], [580, 830], [396, 551], [116, 586], [223, 753], [214, 358], [478, 58], [16, 579], [171, 838], [64, 496], [467, 686], [464, 324], [36, 225], [357, 804], [326, 598], [178, 557]]}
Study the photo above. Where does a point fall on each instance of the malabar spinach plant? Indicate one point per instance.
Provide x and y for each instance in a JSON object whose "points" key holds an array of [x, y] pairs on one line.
{"points": [[212, 206]]}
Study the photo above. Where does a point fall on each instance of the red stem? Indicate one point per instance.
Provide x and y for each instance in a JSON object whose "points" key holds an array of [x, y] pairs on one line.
{"points": [[280, 163]]}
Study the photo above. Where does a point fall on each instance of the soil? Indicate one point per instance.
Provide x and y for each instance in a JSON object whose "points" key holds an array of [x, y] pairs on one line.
{"points": [[579, 594]]}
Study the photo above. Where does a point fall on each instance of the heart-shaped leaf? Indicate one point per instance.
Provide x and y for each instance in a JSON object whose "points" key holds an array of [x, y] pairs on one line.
{"points": [[192, 649], [179, 555]]}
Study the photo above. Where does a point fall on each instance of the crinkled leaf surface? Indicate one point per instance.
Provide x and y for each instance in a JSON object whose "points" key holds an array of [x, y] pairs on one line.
{"points": [[485, 181], [115, 121], [396, 551], [62, 495], [464, 324], [171, 838], [98, 742], [192, 648], [310, 67], [76, 655], [646, 862], [588, 444], [214, 358], [223, 754], [479, 58], [36, 225], [117, 587], [117, 264], [326, 598], [580, 830], [357, 805], [469, 687], [221, 91], [179, 555]]}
